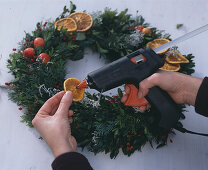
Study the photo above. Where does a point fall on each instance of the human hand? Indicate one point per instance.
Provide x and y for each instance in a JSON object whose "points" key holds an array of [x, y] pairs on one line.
{"points": [[182, 88], [53, 123]]}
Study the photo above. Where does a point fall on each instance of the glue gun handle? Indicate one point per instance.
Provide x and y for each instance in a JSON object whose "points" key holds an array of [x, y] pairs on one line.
{"points": [[164, 104]]}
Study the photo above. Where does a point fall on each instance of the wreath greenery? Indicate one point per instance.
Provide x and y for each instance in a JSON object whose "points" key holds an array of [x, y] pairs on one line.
{"points": [[109, 126]]}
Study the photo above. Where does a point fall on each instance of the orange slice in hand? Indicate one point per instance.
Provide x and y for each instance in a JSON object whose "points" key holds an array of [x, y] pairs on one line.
{"points": [[156, 43], [83, 20], [70, 84], [176, 59], [66, 23], [170, 67]]}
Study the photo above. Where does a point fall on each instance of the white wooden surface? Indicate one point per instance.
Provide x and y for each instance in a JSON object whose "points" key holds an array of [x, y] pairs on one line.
{"points": [[20, 148]]}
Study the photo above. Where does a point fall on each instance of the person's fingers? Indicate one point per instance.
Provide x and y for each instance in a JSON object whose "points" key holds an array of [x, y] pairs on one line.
{"points": [[65, 103], [70, 120], [146, 84], [124, 98], [73, 143], [51, 104], [148, 106], [70, 113], [143, 108], [127, 89]]}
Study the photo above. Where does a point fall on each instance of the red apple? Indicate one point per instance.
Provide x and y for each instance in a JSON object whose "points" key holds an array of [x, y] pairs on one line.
{"points": [[44, 57], [29, 52], [38, 42]]}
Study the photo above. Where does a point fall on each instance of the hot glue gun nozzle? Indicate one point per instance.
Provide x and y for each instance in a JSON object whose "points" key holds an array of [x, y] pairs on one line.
{"points": [[83, 84]]}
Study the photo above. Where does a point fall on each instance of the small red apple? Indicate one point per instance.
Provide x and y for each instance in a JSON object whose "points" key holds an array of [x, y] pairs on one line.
{"points": [[44, 57], [29, 52], [39, 42]]}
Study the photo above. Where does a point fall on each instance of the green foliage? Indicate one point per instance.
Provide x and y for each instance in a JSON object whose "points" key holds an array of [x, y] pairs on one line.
{"points": [[178, 26], [110, 126]]}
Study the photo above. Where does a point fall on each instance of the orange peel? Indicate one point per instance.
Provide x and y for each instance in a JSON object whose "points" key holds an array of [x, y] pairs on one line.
{"points": [[83, 20], [66, 23], [70, 84], [156, 43], [176, 59], [170, 67]]}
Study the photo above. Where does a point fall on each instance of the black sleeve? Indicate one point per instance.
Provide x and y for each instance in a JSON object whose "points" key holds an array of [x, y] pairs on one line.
{"points": [[71, 161], [201, 103]]}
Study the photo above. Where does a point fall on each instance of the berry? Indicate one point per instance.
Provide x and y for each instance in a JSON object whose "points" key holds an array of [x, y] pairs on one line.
{"points": [[26, 39], [128, 136], [24, 44], [14, 49], [140, 28], [28, 111], [29, 52], [57, 87], [7, 84], [39, 42], [32, 60], [44, 57], [131, 147], [38, 23], [20, 108], [127, 143], [45, 24], [171, 141], [73, 38], [40, 29], [110, 100], [119, 102], [32, 42]]}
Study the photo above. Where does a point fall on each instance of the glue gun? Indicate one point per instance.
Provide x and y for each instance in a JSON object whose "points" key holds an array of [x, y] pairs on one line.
{"points": [[131, 70], [134, 68]]}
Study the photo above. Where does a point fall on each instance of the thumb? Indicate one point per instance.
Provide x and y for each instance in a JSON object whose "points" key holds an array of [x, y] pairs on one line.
{"points": [[65, 103], [146, 84]]}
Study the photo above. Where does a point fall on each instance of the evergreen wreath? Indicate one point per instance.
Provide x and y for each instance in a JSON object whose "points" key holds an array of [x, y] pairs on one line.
{"points": [[105, 127]]}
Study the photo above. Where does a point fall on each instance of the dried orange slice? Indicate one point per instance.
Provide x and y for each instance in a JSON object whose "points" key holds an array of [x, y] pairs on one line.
{"points": [[70, 84], [66, 23], [83, 20], [156, 43], [176, 59], [170, 67]]}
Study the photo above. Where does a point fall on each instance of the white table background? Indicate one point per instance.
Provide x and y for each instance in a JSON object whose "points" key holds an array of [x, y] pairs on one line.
{"points": [[20, 148]]}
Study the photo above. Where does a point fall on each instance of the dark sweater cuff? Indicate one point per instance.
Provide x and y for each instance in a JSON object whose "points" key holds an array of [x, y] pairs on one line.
{"points": [[201, 103], [71, 161]]}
